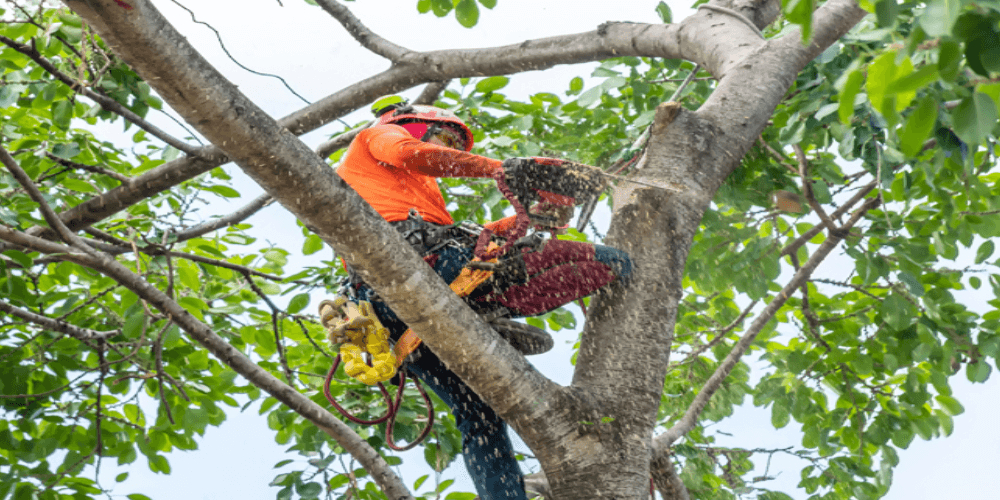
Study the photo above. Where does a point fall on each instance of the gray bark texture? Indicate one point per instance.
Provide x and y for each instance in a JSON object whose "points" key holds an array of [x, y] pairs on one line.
{"points": [[594, 439]]}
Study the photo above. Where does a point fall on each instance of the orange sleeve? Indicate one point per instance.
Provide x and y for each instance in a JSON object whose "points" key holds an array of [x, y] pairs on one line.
{"points": [[501, 227], [395, 146]]}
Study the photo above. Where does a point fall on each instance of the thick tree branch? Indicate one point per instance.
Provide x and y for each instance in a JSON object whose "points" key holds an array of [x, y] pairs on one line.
{"points": [[307, 187], [665, 477], [366, 37], [755, 83], [611, 40], [432, 91], [430, 94]]}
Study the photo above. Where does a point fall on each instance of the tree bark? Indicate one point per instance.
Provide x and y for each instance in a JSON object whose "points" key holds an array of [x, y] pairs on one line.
{"points": [[593, 438]]}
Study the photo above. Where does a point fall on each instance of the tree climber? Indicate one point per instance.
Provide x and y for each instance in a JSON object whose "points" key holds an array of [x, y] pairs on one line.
{"points": [[393, 165]]}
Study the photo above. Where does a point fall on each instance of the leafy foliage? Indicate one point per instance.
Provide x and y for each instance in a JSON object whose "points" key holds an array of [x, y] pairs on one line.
{"points": [[905, 107]]}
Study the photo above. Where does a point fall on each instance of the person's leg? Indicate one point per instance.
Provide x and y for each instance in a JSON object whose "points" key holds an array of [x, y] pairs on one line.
{"points": [[486, 446], [561, 273]]}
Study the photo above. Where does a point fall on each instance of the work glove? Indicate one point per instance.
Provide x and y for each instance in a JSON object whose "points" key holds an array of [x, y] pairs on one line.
{"points": [[552, 217]]}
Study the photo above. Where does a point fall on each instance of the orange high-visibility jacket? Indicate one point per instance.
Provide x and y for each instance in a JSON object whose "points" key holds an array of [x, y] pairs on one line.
{"points": [[393, 172]]}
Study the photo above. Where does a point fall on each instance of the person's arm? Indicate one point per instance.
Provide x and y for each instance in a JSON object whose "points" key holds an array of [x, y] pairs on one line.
{"points": [[392, 144], [501, 227]]}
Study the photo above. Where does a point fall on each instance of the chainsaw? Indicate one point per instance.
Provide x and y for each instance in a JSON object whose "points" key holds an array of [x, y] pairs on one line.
{"points": [[526, 181]]}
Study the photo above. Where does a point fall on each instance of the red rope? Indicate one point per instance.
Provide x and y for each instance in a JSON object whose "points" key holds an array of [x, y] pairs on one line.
{"points": [[391, 410], [389, 439], [351, 417]]}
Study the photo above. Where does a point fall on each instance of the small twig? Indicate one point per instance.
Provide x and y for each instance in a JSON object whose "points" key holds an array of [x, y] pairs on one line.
{"points": [[777, 156], [25, 181], [57, 325], [812, 322], [278, 341], [122, 246], [305, 332], [236, 217], [158, 356], [720, 335], [847, 285], [807, 189], [89, 168], [810, 234]]}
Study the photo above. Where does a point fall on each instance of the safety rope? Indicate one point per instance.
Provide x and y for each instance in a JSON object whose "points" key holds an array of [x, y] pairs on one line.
{"points": [[392, 407]]}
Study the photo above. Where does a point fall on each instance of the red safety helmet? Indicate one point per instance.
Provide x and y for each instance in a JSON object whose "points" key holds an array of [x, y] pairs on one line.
{"points": [[396, 110]]}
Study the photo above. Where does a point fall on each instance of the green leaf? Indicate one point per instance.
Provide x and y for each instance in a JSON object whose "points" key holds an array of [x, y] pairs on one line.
{"points": [[491, 84], [137, 496], [66, 151], [467, 13], [912, 283], [309, 490], [974, 118], [9, 94], [77, 185], [424, 6], [985, 251], [224, 191], [298, 303], [949, 59], [919, 126], [441, 8], [212, 251], [916, 80], [897, 311], [121, 477], [978, 372], [21, 258], [134, 324], [881, 72], [940, 16], [420, 480], [62, 112], [885, 13], [664, 11], [950, 404], [276, 257], [312, 244], [800, 12], [489, 4], [779, 415], [851, 88]]}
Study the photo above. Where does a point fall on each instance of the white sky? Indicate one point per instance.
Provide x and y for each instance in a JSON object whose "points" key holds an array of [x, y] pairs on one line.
{"points": [[314, 54]]}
